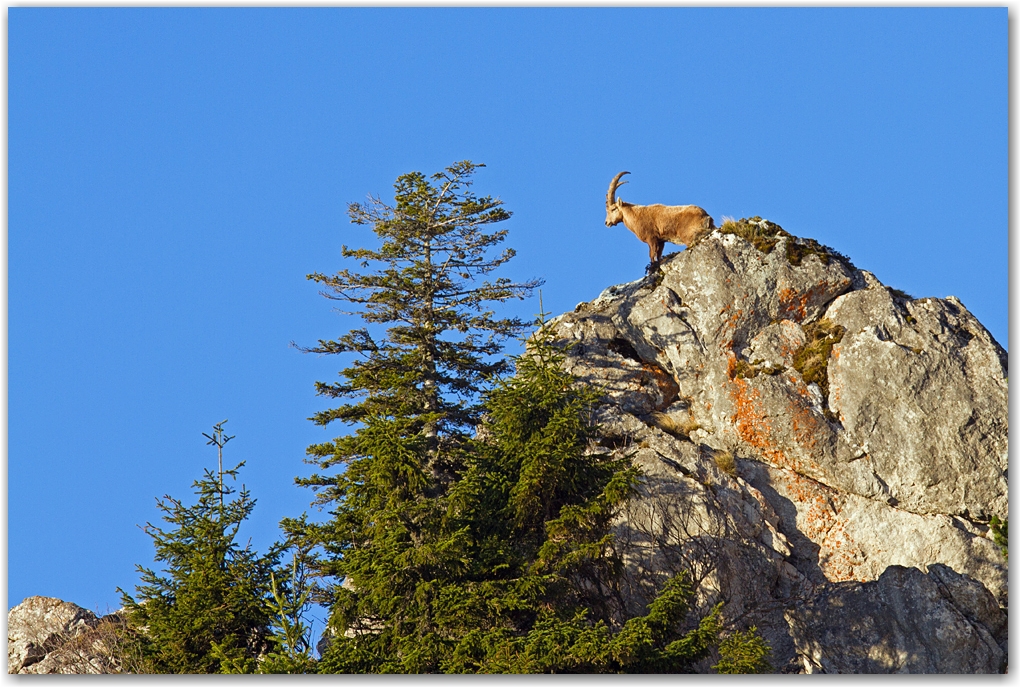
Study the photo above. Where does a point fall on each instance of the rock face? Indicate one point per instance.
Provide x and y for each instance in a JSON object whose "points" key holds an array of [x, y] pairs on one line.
{"points": [[46, 635], [822, 451], [904, 622]]}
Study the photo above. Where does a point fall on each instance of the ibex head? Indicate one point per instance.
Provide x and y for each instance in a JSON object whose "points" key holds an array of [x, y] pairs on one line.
{"points": [[613, 213]]}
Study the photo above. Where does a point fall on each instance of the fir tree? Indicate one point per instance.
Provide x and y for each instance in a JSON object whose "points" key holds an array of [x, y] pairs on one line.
{"points": [[744, 652], [291, 640], [207, 611], [429, 348], [441, 340]]}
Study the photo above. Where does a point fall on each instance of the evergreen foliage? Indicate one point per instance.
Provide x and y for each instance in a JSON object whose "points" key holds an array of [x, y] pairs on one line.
{"points": [[523, 574], [1000, 533], [447, 552], [207, 610], [291, 640], [744, 652], [441, 337], [413, 391], [539, 501]]}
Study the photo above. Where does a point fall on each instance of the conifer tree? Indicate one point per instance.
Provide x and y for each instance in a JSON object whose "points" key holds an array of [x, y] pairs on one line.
{"points": [[207, 611], [291, 640], [441, 339], [429, 346]]}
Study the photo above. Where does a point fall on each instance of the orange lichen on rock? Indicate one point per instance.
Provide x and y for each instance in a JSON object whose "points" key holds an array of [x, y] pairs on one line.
{"points": [[731, 364], [839, 555], [793, 304], [729, 327], [798, 386], [818, 501], [753, 424], [758, 428], [806, 426], [668, 388]]}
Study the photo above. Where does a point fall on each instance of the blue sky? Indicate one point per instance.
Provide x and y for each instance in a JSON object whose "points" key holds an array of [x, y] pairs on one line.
{"points": [[175, 173]]}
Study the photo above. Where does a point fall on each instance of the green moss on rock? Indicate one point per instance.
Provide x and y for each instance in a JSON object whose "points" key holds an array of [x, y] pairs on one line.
{"points": [[764, 235], [761, 233], [812, 361]]}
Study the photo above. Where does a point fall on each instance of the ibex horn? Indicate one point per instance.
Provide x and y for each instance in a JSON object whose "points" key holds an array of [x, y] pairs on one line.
{"points": [[613, 185]]}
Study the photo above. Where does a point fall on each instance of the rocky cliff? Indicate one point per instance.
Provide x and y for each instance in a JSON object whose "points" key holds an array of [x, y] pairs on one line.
{"points": [[824, 452], [47, 635], [820, 451]]}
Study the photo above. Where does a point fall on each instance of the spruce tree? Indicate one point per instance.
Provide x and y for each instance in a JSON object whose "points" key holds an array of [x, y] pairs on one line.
{"points": [[429, 347], [441, 341], [207, 611]]}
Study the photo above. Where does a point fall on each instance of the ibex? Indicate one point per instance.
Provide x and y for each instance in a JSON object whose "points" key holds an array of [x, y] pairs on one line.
{"points": [[656, 224]]}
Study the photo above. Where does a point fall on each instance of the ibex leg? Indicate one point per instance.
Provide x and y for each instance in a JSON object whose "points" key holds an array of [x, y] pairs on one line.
{"points": [[655, 247]]}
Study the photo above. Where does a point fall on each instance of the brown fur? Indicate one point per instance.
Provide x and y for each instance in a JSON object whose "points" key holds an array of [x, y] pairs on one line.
{"points": [[657, 224]]}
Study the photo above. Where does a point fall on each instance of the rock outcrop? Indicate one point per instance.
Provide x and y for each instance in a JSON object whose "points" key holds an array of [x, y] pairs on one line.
{"points": [[823, 452], [46, 635]]}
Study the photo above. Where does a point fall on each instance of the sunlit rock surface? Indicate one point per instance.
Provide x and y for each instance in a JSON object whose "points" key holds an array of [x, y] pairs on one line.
{"points": [[819, 508], [47, 635], [820, 451]]}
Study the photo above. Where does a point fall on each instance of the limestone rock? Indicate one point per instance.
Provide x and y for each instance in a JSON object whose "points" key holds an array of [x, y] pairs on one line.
{"points": [[47, 635], [808, 437], [821, 452], [903, 622], [920, 389]]}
